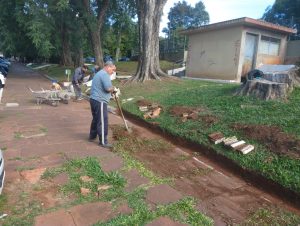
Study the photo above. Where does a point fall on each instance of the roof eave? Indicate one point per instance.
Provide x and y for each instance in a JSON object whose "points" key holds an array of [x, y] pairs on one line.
{"points": [[245, 21]]}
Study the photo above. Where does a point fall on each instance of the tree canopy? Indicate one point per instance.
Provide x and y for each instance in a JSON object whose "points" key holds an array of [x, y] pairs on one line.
{"points": [[63, 31], [183, 15], [284, 12]]}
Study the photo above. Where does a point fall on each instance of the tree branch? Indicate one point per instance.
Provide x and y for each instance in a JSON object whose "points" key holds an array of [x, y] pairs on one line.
{"points": [[101, 13]]}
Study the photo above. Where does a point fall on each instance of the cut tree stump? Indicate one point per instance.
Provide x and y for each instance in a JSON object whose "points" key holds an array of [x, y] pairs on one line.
{"points": [[264, 89], [274, 82]]}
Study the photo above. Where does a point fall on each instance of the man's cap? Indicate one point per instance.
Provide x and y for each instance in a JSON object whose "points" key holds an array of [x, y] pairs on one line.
{"points": [[109, 63]]}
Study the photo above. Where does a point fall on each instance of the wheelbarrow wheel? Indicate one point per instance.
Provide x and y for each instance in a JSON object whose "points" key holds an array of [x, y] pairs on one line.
{"points": [[54, 104]]}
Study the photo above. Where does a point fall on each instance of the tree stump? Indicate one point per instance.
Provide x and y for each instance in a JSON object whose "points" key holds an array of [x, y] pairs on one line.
{"points": [[272, 83], [264, 89]]}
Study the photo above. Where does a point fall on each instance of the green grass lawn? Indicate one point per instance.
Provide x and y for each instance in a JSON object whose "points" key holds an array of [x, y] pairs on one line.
{"points": [[219, 101], [123, 68], [57, 72]]}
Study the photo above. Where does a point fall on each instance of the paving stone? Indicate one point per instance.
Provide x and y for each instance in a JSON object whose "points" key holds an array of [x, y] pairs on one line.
{"points": [[48, 161], [11, 176], [33, 150], [162, 194], [33, 176], [111, 164], [164, 221], [11, 154], [134, 180], [57, 218], [123, 209], [83, 153], [52, 160], [91, 213]]}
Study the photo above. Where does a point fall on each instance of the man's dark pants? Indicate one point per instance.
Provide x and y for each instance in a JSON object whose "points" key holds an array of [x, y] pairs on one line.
{"points": [[99, 125]]}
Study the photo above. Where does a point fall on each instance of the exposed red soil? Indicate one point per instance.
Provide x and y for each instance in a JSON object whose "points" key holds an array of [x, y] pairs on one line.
{"points": [[209, 119], [48, 196], [273, 138], [179, 111], [192, 113]]}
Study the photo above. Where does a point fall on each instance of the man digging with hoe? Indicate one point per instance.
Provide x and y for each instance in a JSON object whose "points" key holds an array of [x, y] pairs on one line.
{"points": [[101, 91]]}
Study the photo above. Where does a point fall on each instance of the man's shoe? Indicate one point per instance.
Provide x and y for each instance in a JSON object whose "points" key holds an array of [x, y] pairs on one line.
{"points": [[106, 145], [80, 98], [91, 139]]}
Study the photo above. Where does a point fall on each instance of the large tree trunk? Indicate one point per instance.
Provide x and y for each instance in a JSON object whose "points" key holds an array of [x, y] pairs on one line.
{"points": [[66, 53], [94, 25], [96, 42], [149, 14], [78, 58], [119, 38]]}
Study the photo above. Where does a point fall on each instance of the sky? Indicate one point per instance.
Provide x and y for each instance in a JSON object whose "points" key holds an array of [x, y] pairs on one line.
{"points": [[221, 10]]}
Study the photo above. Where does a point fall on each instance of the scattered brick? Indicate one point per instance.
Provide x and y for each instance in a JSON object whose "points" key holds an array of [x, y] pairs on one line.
{"points": [[216, 137]]}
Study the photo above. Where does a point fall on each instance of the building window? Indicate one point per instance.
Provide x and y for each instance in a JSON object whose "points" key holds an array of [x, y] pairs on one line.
{"points": [[269, 46]]}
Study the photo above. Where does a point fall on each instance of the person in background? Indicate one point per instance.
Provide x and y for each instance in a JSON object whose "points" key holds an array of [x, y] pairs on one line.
{"points": [[2, 84], [95, 69], [101, 91], [78, 79]]}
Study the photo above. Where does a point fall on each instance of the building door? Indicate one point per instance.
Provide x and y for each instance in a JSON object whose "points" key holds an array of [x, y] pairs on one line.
{"points": [[250, 53]]}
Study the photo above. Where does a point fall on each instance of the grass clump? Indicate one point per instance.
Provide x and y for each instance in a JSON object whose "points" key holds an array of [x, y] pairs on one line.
{"points": [[44, 129], [272, 216], [24, 168], [23, 212], [18, 135], [182, 211], [52, 172], [90, 167]]}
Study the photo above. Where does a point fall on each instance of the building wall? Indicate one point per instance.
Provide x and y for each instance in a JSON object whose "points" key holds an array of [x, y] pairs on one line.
{"points": [[267, 59], [214, 54], [293, 52]]}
